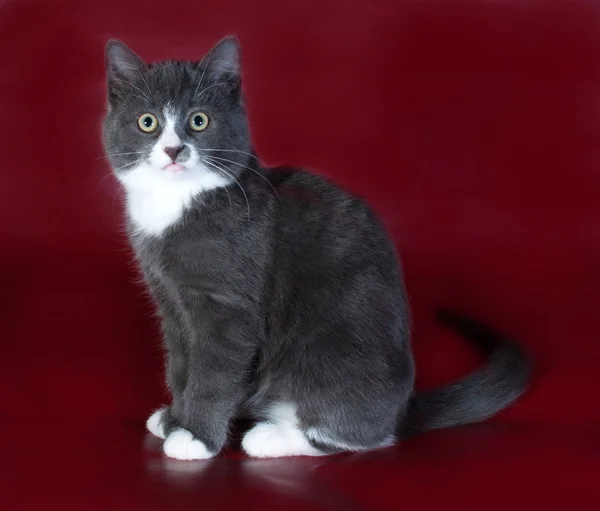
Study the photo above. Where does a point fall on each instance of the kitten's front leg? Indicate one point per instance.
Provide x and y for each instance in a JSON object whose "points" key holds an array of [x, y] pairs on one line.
{"points": [[162, 421], [219, 357], [176, 341]]}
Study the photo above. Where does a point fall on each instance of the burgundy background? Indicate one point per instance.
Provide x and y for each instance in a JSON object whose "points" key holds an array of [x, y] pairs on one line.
{"points": [[473, 127]]}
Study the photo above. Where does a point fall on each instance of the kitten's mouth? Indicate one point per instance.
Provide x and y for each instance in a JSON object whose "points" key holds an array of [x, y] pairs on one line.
{"points": [[175, 168]]}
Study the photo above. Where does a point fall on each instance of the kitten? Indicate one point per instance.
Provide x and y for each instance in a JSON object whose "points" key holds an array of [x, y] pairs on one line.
{"points": [[280, 295]]}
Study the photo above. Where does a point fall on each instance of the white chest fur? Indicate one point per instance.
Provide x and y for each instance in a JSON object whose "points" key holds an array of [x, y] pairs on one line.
{"points": [[156, 200]]}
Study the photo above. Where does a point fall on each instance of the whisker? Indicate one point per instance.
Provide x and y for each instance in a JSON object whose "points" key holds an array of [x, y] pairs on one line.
{"points": [[129, 164], [237, 151], [104, 178], [136, 68], [206, 66], [140, 97], [209, 87], [115, 200], [226, 190], [249, 168], [137, 88], [221, 169], [115, 154], [201, 78], [144, 79]]}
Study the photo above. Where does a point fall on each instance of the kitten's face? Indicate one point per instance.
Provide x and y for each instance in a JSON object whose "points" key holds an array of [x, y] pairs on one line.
{"points": [[176, 122]]}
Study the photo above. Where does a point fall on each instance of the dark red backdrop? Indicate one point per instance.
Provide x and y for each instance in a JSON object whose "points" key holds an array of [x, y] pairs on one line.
{"points": [[473, 127]]}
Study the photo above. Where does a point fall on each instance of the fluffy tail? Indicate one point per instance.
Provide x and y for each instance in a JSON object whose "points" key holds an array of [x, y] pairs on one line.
{"points": [[482, 394]]}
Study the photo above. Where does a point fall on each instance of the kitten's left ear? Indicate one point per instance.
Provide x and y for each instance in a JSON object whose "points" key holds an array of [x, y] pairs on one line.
{"points": [[123, 67], [223, 62]]}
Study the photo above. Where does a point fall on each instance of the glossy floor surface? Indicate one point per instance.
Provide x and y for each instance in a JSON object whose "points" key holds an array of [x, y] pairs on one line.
{"points": [[472, 127]]}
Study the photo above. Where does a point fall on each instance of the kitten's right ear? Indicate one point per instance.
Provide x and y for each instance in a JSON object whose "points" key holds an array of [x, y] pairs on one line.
{"points": [[223, 60], [123, 66]]}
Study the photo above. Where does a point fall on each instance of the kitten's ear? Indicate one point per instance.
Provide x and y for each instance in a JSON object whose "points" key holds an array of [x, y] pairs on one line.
{"points": [[223, 62], [123, 67]]}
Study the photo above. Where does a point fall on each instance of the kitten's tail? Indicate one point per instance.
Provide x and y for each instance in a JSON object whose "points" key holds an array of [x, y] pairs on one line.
{"points": [[482, 394]]}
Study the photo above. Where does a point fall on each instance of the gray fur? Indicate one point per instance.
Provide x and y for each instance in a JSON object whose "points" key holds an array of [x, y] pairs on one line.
{"points": [[301, 300]]}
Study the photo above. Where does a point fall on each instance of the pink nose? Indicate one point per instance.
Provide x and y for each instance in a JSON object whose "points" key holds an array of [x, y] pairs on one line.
{"points": [[173, 152]]}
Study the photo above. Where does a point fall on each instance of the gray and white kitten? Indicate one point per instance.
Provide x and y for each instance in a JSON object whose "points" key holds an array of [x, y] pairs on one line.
{"points": [[280, 295]]}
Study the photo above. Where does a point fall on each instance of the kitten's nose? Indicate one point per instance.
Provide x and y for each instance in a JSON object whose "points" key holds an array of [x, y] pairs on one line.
{"points": [[173, 152]]}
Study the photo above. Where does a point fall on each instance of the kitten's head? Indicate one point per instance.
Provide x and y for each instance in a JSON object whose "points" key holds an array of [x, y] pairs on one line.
{"points": [[176, 122]]}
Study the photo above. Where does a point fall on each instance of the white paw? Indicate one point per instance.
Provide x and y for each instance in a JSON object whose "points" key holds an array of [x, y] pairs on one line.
{"points": [[182, 445], [267, 440], [154, 423]]}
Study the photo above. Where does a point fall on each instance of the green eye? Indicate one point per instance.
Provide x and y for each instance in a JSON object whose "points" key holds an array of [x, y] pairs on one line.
{"points": [[198, 121], [148, 123]]}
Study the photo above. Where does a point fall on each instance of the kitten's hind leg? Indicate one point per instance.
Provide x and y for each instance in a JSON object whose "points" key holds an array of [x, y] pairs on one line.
{"points": [[284, 434], [279, 436]]}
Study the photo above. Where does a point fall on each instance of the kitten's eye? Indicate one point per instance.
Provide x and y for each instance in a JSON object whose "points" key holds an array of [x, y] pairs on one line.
{"points": [[198, 121], [147, 123]]}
